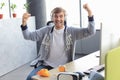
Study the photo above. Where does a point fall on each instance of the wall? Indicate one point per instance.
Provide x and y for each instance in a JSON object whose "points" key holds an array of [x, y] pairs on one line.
{"points": [[110, 27], [109, 40], [14, 49], [37, 8], [109, 16]]}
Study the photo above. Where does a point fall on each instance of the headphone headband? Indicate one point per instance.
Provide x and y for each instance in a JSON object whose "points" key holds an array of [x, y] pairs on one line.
{"points": [[58, 10]]}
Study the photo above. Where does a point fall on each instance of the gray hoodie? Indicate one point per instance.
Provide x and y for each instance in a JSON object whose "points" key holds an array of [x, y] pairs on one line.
{"points": [[71, 34]]}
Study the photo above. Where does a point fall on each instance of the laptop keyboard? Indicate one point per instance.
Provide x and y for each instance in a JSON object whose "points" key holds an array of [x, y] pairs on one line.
{"points": [[96, 68]]}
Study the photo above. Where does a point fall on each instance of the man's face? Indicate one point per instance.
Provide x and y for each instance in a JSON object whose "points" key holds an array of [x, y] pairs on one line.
{"points": [[58, 20]]}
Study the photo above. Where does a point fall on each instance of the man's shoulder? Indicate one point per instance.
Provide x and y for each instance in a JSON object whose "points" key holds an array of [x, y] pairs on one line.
{"points": [[72, 28], [46, 27]]}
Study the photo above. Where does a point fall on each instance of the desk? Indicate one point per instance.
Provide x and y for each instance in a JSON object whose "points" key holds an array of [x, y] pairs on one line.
{"points": [[78, 65]]}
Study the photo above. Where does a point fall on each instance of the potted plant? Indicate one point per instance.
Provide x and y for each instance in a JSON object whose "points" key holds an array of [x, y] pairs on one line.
{"points": [[13, 6], [1, 6], [26, 6]]}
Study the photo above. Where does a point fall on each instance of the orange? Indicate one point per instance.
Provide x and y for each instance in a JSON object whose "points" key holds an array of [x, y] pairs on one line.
{"points": [[43, 72], [61, 68]]}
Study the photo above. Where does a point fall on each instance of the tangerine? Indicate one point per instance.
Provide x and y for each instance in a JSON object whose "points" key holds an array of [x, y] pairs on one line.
{"points": [[61, 68], [43, 72]]}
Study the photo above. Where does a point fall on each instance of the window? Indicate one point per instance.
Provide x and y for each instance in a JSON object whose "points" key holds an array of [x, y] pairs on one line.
{"points": [[20, 7], [7, 10], [97, 10]]}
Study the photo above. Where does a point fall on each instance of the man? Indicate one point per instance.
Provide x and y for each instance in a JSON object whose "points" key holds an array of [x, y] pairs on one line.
{"points": [[58, 41]]}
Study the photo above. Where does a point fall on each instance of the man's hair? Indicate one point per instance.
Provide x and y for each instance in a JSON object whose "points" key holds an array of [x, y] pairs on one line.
{"points": [[58, 10]]}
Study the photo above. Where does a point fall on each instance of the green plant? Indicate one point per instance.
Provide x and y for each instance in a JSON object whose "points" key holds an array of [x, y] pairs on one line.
{"points": [[26, 6], [13, 6], [1, 5]]}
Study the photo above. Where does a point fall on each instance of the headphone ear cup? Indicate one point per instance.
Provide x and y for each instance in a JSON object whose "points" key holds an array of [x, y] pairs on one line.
{"points": [[95, 76], [51, 18], [80, 75], [65, 18]]}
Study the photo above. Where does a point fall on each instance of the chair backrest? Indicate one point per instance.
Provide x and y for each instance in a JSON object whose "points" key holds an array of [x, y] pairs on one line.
{"points": [[112, 64], [51, 23]]}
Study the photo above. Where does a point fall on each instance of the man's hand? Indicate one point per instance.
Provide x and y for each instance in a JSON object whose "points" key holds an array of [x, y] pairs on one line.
{"points": [[25, 18], [87, 8]]}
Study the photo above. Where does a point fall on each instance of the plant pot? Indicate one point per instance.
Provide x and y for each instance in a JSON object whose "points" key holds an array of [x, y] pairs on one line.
{"points": [[1, 16], [14, 15]]}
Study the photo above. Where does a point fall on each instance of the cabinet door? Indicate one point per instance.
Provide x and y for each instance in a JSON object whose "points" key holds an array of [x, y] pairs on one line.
{"points": [[88, 45]]}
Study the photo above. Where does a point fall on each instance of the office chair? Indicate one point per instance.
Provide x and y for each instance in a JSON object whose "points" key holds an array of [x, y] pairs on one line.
{"points": [[50, 23], [35, 63], [112, 64]]}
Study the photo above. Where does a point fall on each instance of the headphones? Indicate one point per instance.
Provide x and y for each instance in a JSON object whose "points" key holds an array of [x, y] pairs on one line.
{"points": [[57, 10], [65, 20], [80, 75], [95, 76], [72, 75], [52, 17]]}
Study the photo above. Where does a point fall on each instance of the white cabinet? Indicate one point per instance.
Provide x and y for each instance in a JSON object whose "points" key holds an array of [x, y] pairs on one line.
{"points": [[14, 49], [88, 45]]}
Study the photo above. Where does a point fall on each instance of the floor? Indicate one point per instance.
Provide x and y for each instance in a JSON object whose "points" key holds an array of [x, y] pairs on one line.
{"points": [[22, 72], [18, 74]]}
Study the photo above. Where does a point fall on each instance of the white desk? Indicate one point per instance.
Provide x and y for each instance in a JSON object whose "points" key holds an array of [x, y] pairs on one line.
{"points": [[78, 65]]}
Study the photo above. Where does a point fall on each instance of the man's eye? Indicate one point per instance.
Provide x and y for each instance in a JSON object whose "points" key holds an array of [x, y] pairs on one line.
{"points": [[61, 16], [56, 16]]}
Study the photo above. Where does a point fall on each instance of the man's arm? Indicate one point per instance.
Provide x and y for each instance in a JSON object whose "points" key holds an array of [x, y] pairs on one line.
{"points": [[90, 30], [87, 8], [24, 20]]}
